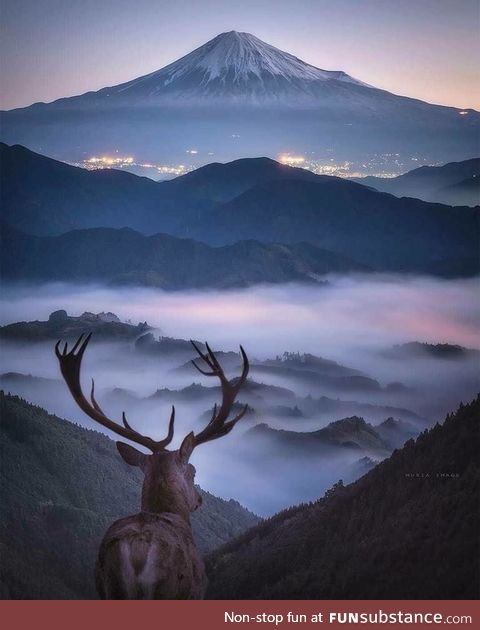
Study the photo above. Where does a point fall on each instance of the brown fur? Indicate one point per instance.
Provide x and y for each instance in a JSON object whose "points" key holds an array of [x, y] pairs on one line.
{"points": [[150, 556]]}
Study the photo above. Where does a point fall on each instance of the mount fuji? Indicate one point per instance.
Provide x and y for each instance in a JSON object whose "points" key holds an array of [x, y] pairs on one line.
{"points": [[231, 65], [238, 96]]}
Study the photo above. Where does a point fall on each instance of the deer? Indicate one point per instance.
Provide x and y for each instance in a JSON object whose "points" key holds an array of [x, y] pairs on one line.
{"points": [[152, 554]]}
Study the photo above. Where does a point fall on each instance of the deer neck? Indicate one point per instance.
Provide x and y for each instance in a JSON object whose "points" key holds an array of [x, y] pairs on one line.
{"points": [[165, 498]]}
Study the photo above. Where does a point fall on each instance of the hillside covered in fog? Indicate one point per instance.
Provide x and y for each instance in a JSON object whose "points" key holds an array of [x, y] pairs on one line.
{"points": [[416, 515]]}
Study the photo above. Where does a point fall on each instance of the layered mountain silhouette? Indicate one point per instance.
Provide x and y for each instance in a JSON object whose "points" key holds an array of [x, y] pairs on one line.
{"points": [[352, 433], [382, 231], [43, 196], [348, 433], [456, 183], [438, 351], [323, 223], [125, 257], [414, 516], [236, 95]]}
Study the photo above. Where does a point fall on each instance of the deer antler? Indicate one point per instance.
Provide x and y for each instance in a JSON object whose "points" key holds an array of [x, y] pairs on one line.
{"points": [[70, 363], [217, 427]]}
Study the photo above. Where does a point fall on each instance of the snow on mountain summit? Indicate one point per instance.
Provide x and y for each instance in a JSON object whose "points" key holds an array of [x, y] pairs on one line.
{"points": [[233, 63], [244, 55]]}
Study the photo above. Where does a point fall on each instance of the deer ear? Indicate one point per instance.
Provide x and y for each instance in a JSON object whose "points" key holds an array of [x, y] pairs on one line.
{"points": [[131, 455], [187, 447]]}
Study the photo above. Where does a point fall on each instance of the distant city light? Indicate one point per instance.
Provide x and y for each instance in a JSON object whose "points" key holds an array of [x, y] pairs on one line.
{"points": [[320, 162], [378, 164], [179, 169], [106, 161], [463, 112], [291, 160], [128, 162]]}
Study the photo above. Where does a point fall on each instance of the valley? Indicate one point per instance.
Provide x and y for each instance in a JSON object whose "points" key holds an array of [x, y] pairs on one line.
{"points": [[315, 407]]}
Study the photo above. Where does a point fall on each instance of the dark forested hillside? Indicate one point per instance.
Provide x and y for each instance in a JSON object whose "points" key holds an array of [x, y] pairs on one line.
{"points": [[126, 257], [251, 200], [61, 486], [408, 529], [43, 196], [376, 229]]}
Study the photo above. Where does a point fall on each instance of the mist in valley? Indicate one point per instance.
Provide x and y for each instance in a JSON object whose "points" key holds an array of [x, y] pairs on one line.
{"points": [[353, 320]]}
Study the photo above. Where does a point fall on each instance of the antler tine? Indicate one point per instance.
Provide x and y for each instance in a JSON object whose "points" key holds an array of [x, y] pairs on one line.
{"points": [[199, 352], [70, 364], [202, 371], [217, 426], [239, 416], [171, 423], [212, 356], [214, 413], [77, 343], [99, 409], [83, 345], [160, 443], [226, 427], [126, 424], [93, 399], [246, 368], [209, 358], [213, 416]]}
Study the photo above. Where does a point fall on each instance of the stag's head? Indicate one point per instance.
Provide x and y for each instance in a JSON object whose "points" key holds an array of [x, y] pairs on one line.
{"points": [[169, 476]]}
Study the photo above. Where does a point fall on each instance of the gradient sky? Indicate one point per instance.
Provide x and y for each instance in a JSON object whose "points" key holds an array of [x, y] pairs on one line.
{"points": [[427, 49]]}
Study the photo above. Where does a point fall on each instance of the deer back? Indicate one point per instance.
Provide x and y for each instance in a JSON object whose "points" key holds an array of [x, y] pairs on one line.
{"points": [[150, 556]]}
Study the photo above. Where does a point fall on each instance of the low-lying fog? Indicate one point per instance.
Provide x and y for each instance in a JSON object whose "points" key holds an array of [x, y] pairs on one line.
{"points": [[354, 320]]}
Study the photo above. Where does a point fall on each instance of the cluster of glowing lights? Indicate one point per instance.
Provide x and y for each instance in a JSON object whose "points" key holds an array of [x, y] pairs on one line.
{"points": [[375, 165], [463, 112], [106, 161], [291, 160], [175, 170], [331, 168], [380, 165]]}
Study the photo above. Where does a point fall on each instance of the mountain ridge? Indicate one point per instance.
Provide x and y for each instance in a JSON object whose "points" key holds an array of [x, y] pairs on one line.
{"points": [[332, 212], [160, 260], [453, 183], [349, 433], [382, 537], [253, 199]]}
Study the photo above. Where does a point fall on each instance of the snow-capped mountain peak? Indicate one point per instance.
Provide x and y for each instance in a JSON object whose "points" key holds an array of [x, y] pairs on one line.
{"points": [[234, 63], [246, 55]]}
